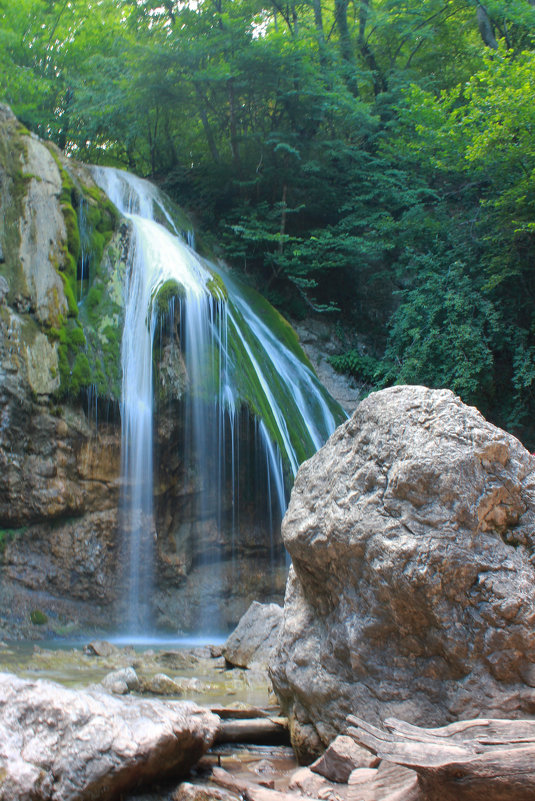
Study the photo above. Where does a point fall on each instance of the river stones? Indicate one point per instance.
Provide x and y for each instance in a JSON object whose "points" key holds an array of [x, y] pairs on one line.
{"points": [[412, 592], [60, 744], [341, 758]]}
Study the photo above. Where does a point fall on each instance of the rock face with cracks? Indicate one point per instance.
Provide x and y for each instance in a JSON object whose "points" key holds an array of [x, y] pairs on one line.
{"points": [[412, 592], [60, 745]]}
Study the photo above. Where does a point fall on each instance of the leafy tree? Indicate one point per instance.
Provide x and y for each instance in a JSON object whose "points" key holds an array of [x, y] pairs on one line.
{"points": [[371, 160]]}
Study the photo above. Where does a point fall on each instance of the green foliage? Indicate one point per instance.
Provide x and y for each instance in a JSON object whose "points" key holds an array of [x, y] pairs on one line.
{"points": [[442, 333], [362, 366], [370, 160]]}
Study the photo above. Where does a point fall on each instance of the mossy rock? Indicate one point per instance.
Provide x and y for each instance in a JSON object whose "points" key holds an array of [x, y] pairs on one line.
{"points": [[164, 295], [38, 618], [216, 287], [14, 186], [89, 348]]}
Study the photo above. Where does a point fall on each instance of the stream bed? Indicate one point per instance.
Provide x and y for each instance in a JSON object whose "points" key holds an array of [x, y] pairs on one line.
{"points": [[198, 672]]}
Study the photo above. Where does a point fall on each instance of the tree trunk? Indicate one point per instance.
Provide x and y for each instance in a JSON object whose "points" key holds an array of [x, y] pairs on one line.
{"points": [[346, 48], [318, 19], [206, 125], [363, 18], [268, 731], [486, 29], [379, 82], [232, 123]]}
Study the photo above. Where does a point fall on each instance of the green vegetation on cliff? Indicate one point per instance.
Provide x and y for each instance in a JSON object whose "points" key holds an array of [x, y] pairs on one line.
{"points": [[89, 344]]}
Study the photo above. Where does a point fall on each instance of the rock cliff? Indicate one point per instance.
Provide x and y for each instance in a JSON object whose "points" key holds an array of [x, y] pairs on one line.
{"points": [[412, 591], [58, 473]]}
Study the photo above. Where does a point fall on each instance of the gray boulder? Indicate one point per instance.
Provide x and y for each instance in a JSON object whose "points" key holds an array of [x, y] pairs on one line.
{"points": [[412, 593], [254, 639], [66, 745], [121, 681]]}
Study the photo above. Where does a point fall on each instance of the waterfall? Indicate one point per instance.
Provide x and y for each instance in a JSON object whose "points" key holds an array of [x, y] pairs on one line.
{"points": [[238, 376]]}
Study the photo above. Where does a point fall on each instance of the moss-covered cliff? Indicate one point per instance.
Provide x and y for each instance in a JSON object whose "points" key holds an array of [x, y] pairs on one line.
{"points": [[62, 257]]}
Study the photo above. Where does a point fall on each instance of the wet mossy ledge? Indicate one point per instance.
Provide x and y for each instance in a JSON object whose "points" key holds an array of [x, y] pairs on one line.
{"points": [[171, 291]]}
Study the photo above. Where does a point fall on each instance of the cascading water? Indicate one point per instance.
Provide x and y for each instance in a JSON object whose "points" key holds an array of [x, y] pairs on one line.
{"points": [[240, 382]]}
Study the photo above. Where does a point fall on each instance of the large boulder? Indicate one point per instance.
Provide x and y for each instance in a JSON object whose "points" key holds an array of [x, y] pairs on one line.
{"points": [[412, 593], [58, 744]]}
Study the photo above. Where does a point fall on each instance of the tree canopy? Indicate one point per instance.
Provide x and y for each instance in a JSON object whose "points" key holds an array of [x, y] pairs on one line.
{"points": [[371, 160]]}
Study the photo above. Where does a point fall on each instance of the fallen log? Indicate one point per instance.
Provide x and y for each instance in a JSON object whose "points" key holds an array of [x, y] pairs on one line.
{"points": [[469, 760], [243, 712], [261, 731]]}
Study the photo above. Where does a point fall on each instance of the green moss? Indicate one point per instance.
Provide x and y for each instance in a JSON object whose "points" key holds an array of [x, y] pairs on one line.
{"points": [[13, 152], [8, 535], [216, 287], [88, 347], [167, 291], [93, 301], [77, 338], [80, 374], [38, 618], [69, 294]]}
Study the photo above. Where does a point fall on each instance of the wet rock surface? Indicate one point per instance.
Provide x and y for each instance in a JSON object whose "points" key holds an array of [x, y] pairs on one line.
{"points": [[413, 587], [60, 744]]}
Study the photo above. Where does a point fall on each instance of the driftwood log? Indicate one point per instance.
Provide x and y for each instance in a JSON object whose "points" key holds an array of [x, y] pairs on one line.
{"points": [[471, 760], [261, 731], [243, 712]]}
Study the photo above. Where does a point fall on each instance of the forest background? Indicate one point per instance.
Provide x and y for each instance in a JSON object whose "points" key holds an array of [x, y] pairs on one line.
{"points": [[372, 161]]}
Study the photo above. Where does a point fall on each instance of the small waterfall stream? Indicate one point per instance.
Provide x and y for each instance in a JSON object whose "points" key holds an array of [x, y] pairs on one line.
{"points": [[236, 369]]}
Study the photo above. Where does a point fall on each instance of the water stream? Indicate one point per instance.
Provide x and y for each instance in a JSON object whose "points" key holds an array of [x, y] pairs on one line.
{"points": [[239, 375]]}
